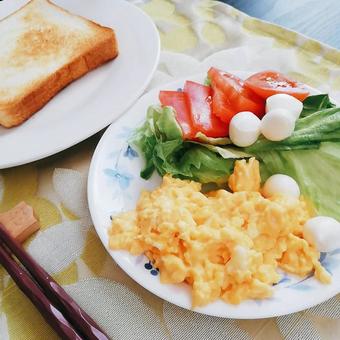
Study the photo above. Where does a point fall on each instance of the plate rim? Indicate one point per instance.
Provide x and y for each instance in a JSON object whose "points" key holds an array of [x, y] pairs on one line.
{"points": [[115, 254], [24, 159]]}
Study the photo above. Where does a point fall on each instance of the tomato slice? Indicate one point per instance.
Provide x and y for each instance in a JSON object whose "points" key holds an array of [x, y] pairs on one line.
{"points": [[179, 102], [231, 96], [268, 83], [200, 98], [221, 106]]}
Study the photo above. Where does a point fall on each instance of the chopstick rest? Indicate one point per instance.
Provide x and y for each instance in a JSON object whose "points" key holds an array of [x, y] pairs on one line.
{"points": [[20, 221]]}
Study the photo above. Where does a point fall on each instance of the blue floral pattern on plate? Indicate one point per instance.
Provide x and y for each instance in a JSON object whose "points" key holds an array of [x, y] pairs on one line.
{"points": [[130, 152], [327, 260], [149, 266], [123, 178], [125, 133]]}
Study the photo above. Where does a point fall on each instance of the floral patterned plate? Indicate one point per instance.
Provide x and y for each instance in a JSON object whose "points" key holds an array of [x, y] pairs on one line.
{"points": [[114, 185]]}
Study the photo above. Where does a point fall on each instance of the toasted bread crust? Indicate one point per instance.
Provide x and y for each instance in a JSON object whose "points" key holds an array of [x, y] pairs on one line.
{"points": [[38, 94]]}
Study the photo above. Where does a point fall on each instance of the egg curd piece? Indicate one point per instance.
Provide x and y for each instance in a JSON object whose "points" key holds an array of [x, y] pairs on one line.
{"points": [[225, 245]]}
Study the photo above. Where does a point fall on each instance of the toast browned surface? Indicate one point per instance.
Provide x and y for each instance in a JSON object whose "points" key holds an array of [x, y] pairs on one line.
{"points": [[46, 56]]}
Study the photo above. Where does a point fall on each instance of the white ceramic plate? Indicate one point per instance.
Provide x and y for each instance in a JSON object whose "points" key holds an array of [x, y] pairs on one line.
{"points": [[94, 101], [114, 185]]}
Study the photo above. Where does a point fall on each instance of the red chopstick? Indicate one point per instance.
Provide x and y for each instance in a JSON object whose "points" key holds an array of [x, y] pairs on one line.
{"points": [[83, 323], [51, 314]]}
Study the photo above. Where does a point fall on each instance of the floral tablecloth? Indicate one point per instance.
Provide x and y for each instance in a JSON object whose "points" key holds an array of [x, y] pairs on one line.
{"points": [[194, 35]]}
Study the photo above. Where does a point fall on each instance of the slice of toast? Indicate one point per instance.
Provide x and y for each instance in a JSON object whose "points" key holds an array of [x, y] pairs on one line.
{"points": [[43, 48]]}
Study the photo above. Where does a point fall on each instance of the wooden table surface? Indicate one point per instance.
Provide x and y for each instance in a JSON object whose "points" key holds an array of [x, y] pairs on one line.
{"points": [[317, 19]]}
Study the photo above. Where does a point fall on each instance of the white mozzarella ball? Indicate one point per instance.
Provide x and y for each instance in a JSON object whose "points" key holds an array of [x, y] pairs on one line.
{"points": [[323, 233], [281, 184], [277, 125], [284, 101], [244, 128]]}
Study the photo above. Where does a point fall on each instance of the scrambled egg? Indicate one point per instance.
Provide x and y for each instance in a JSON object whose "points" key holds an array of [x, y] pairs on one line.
{"points": [[225, 245]]}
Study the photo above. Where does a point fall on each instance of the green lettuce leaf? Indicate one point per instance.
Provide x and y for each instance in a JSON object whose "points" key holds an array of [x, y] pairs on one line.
{"points": [[145, 139], [227, 152], [310, 131], [314, 170], [197, 163], [160, 141], [201, 137], [316, 103]]}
